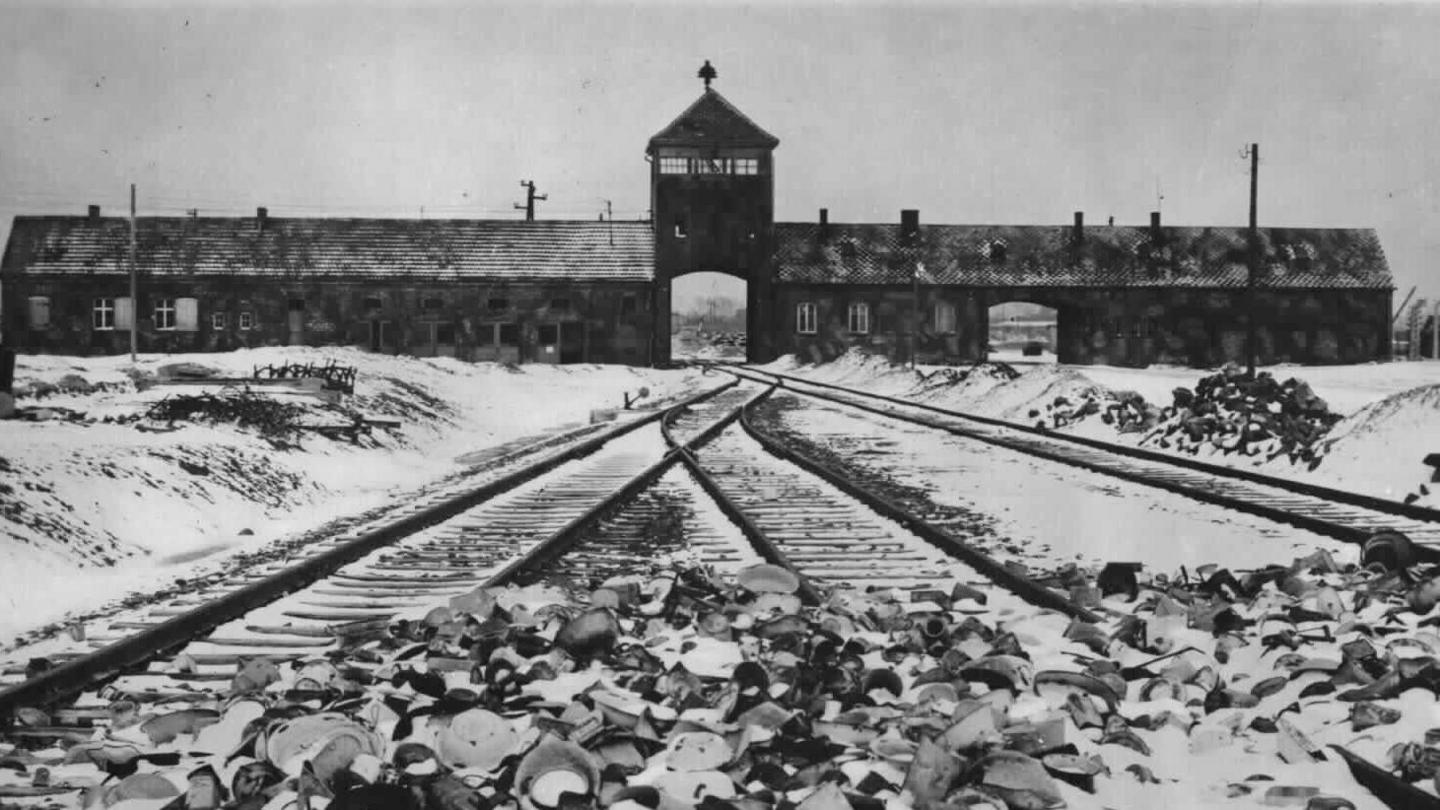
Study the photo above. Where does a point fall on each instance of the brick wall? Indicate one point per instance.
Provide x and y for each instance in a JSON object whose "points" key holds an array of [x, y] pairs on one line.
{"points": [[520, 322]]}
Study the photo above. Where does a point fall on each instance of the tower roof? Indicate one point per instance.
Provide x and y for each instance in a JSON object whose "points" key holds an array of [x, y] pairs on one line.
{"points": [[713, 121]]}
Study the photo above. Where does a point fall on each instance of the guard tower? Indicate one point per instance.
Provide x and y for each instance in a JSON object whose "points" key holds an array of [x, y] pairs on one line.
{"points": [[712, 196]]}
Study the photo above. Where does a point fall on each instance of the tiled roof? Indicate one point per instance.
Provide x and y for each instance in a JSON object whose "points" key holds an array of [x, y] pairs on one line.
{"points": [[712, 120], [1111, 256], [388, 248]]}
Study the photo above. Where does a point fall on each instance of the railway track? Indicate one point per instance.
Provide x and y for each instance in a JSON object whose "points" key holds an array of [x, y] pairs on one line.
{"points": [[420, 552], [621, 492], [1346, 516], [699, 477]]}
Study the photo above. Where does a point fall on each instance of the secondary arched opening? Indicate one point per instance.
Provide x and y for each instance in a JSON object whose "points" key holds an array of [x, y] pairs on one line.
{"points": [[1023, 332]]}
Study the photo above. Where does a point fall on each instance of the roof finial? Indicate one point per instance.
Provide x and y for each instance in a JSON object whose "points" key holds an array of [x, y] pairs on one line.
{"points": [[707, 73]]}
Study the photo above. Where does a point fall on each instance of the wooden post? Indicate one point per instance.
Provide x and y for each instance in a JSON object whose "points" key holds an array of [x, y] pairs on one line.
{"points": [[134, 299], [1251, 349]]}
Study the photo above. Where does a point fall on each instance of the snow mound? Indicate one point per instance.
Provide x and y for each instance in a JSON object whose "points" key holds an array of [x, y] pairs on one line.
{"points": [[95, 487], [1042, 388], [1382, 447]]}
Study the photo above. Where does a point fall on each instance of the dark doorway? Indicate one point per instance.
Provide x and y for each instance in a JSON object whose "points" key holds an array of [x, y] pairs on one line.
{"points": [[547, 343], [572, 342]]}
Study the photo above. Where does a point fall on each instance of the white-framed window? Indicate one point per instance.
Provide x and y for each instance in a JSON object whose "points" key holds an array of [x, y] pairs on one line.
{"points": [[187, 314], [102, 314], [217, 320], [859, 320], [805, 318], [247, 321], [165, 313], [107, 314], [682, 229], [944, 317], [39, 311], [709, 165]]}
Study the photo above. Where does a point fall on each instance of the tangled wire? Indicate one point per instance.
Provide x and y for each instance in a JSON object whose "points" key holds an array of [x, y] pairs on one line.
{"points": [[272, 419]]}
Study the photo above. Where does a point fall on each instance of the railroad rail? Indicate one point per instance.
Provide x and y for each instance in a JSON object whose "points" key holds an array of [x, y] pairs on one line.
{"points": [[1347, 516], [588, 511], [579, 512], [390, 552]]}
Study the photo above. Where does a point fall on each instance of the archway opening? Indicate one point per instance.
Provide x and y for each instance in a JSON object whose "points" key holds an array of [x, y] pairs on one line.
{"points": [[1023, 332], [708, 317]]}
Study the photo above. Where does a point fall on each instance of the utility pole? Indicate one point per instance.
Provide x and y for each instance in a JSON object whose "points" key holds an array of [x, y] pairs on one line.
{"points": [[915, 313], [1251, 348], [134, 299], [530, 198], [610, 218]]}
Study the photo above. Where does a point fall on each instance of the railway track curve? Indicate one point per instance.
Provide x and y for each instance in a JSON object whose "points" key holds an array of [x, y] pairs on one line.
{"points": [[1347, 516]]}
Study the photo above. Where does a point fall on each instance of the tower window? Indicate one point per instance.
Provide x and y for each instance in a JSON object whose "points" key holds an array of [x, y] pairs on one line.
{"points": [[710, 165]]}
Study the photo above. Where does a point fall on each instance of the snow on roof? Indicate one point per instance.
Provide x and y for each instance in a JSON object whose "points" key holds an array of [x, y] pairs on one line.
{"points": [[1110, 256], [324, 247]]}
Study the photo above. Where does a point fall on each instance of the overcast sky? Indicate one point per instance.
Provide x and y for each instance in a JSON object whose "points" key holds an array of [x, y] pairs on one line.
{"points": [[971, 114]]}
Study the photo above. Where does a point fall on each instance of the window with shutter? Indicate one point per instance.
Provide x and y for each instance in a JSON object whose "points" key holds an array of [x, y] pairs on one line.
{"points": [[187, 314], [39, 312], [164, 315], [124, 313], [944, 318], [102, 314]]}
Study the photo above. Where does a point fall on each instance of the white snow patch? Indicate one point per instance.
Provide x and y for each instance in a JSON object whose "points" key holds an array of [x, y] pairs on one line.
{"points": [[77, 498]]}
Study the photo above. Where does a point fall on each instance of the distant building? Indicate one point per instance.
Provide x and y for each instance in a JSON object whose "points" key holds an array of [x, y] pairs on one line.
{"points": [[584, 291]]}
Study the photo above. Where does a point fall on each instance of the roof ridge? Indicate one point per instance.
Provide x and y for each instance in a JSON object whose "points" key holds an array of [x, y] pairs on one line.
{"points": [[709, 93]]}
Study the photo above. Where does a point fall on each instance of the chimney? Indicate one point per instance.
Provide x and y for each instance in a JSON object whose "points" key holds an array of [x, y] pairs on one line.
{"points": [[261, 215], [909, 223], [824, 224], [1079, 235], [1154, 224], [94, 213]]}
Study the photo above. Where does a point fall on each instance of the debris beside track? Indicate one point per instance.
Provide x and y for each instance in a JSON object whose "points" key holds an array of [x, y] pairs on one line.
{"points": [[1230, 413], [678, 689]]}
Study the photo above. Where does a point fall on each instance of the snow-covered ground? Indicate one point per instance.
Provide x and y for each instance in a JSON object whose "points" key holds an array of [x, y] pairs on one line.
{"points": [[1391, 410], [90, 510]]}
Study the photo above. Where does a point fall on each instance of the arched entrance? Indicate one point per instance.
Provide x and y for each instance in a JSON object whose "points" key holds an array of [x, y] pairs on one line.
{"points": [[708, 317], [1023, 332]]}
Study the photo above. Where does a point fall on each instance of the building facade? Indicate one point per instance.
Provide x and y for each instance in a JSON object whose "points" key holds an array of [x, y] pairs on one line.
{"points": [[547, 292], [567, 291]]}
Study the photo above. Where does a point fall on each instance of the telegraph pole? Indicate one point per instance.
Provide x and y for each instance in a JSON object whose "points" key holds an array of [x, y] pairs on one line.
{"points": [[530, 198], [610, 218], [134, 299], [915, 312], [1250, 340]]}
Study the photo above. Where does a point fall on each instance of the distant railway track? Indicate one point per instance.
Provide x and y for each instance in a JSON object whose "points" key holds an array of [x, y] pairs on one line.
{"points": [[588, 510], [1347, 516]]}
